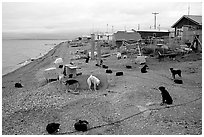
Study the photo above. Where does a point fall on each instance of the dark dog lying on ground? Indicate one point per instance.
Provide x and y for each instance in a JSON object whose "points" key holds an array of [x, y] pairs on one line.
{"points": [[72, 85], [78, 74], [70, 82], [18, 85], [178, 81], [166, 98], [81, 125], [128, 67], [52, 128], [104, 66], [174, 72], [109, 71], [119, 73], [144, 69]]}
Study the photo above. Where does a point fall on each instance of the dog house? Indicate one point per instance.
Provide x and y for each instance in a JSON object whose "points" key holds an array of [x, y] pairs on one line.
{"points": [[70, 70], [58, 62]]}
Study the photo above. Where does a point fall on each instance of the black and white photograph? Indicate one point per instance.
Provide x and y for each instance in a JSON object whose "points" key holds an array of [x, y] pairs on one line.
{"points": [[101, 67]]}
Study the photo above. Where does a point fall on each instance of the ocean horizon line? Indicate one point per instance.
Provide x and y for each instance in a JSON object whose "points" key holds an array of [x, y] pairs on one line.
{"points": [[31, 39]]}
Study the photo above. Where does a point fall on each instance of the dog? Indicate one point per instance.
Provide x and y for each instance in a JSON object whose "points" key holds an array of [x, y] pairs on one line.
{"points": [[128, 67], [104, 66], [166, 98], [174, 72], [178, 81], [109, 71], [67, 83], [61, 66], [53, 128], [119, 73], [101, 62], [78, 74], [81, 125], [118, 55], [94, 80], [18, 85], [97, 65], [144, 69], [70, 82], [87, 59]]}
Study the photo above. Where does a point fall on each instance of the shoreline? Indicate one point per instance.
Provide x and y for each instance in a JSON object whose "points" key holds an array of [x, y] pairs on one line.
{"points": [[29, 60]]}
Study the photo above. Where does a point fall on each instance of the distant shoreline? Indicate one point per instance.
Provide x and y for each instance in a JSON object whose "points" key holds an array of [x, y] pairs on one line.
{"points": [[29, 60], [33, 39]]}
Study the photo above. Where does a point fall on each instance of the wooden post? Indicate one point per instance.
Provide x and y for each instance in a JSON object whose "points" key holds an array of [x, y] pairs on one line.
{"points": [[98, 53], [92, 45]]}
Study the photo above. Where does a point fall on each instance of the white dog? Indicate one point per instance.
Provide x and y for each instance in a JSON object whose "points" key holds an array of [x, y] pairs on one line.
{"points": [[118, 55], [94, 80]]}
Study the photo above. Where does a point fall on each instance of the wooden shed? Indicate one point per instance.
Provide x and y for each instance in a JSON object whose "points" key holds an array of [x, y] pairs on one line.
{"points": [[187, 27]]}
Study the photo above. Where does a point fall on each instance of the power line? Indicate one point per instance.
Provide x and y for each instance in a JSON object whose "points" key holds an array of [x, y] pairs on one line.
{"points": [[118, 121]]}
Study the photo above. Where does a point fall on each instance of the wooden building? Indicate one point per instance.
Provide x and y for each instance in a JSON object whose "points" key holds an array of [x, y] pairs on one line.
{"points": [[148, 34], [187, 27]]}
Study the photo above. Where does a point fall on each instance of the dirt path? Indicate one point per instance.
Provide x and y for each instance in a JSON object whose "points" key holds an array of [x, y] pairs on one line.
{"points": [[30, 109]]}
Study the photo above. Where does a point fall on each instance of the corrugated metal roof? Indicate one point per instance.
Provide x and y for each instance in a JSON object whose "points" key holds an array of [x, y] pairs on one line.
{"points": [[194, 18]]}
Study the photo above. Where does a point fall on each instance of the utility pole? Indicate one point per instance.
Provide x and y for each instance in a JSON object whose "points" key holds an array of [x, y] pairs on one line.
{"points": [[155, 19], [188, 10], [107, 28]]}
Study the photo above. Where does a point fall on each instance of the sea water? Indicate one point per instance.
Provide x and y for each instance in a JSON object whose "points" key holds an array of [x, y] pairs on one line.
{"points": [[16, 53]]}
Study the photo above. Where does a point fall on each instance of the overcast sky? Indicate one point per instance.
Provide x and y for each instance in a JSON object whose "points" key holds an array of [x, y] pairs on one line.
{"points": [[75, 18]]}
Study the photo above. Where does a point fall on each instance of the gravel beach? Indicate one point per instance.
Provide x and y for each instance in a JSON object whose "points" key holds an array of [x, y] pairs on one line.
{"points": [[112, 109]]}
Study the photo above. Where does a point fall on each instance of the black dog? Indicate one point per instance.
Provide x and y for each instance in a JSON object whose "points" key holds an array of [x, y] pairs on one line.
{"points": [[18, 85], [52, 128], [81, 125], [178, 81], [70, 82], [60, 66], [78, 74], [128, 67], [101, 62], [174, 72], [166, 98], [87, 59], [104, 66], [119, 73], [144, 69], [109, 71]]}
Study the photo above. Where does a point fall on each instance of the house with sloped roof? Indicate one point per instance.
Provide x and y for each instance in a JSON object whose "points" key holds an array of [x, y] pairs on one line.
{"points": [[187, 27]]}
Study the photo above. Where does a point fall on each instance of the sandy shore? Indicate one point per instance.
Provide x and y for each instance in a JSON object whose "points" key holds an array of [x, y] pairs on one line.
{"points": [[29, 109]]}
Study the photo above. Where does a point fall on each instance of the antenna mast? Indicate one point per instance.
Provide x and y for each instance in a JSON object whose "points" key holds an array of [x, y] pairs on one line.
{"points": [[155, 19], [188, 10]]}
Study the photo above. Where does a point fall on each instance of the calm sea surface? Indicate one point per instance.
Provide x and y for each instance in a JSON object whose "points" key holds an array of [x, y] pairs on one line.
{"points": [[16, 53]]}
